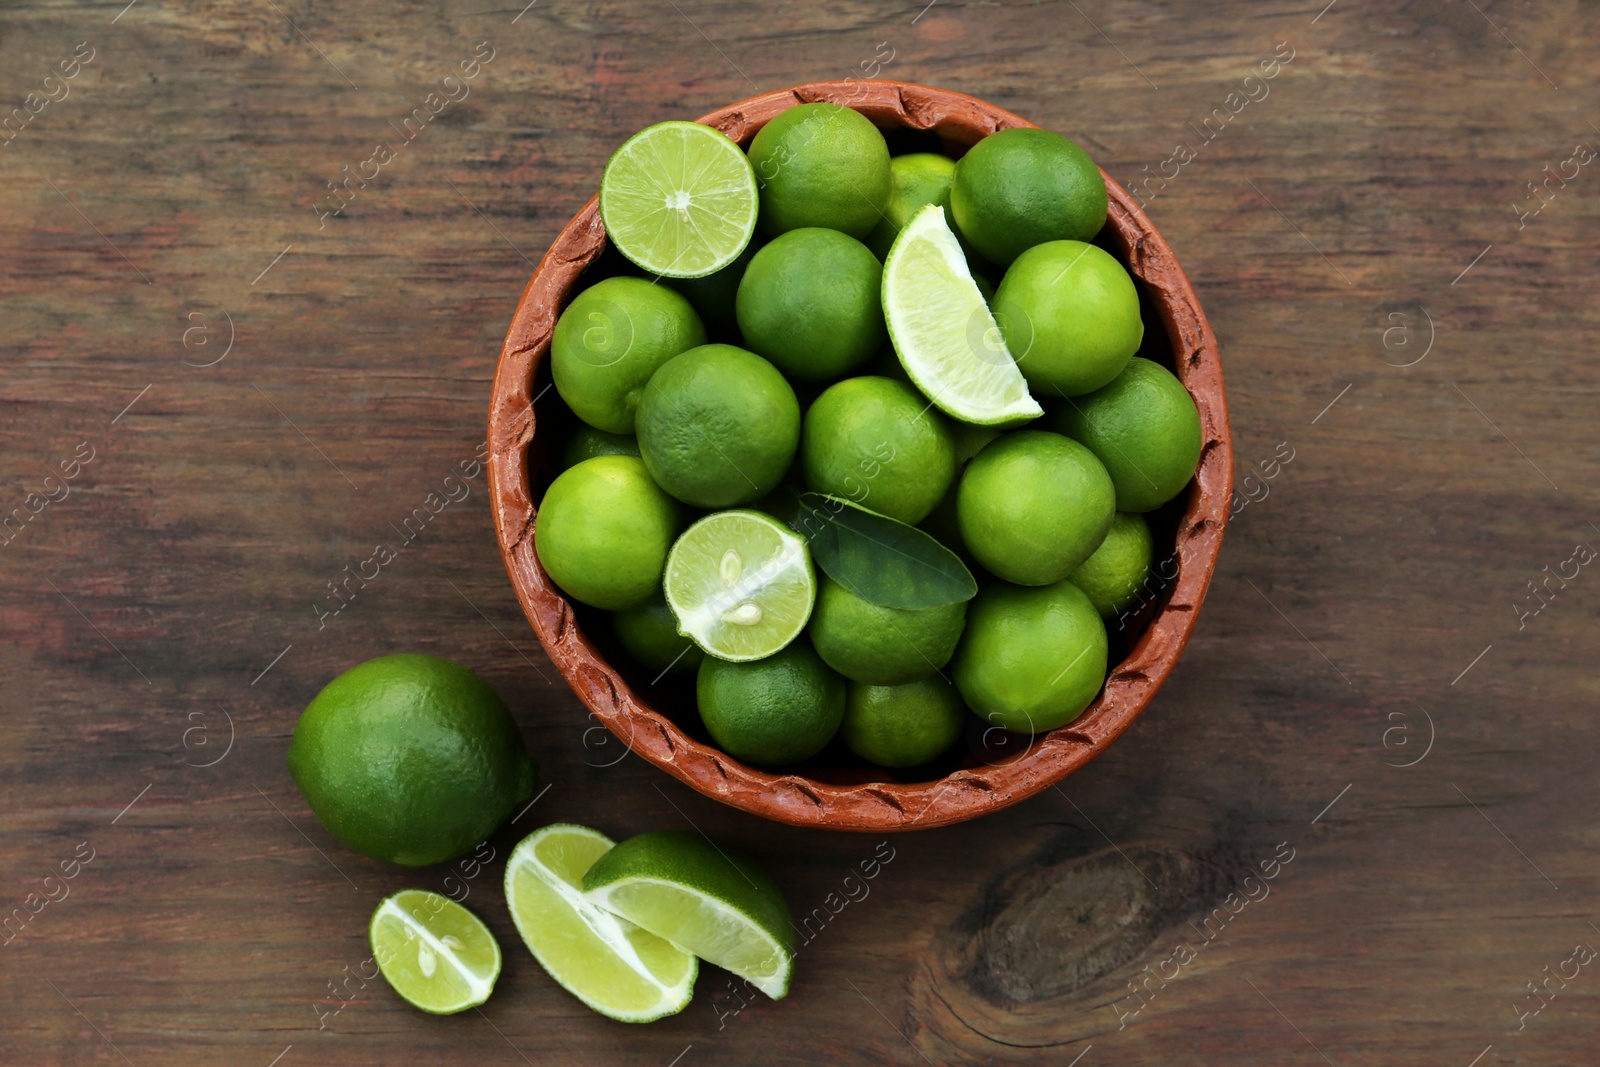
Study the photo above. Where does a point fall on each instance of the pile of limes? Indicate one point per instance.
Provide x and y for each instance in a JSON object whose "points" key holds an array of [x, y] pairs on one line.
{"points": [[814, 467]]}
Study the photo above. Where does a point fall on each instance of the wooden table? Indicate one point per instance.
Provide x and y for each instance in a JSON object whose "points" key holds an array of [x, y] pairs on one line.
{"points": [[250, 392]]}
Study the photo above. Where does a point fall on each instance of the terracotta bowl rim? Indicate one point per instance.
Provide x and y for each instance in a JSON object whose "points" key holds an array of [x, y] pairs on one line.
{"points": [[963, 794]]}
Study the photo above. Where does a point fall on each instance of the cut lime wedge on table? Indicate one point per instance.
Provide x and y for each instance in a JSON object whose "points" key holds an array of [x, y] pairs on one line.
{"points": [[435, 953], [943, 331], [740, 584], [684, 888], [607, 962], [679, 199]]}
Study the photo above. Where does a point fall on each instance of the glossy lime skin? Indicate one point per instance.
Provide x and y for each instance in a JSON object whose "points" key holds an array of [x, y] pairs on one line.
{"points": [[916, 180], [878, 442], [811, 303], [1146, 430], [1022, 187], [772, 711], [611, 339], [718, 426], [882, 646], [1033, 505], [603, 532], [1070, 314], [1112, 575], [1031, 659], [902, 725], [821, 165], [650, 635], [410, 759]]}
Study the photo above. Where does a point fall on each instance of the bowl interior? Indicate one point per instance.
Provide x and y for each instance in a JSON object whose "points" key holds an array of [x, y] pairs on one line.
{"points": [[991, 768]]}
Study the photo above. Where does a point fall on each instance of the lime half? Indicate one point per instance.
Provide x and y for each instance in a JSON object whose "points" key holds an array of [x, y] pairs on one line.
{"points": [[607, 962], [943, 331], [436, 954], [692, 892], [740, 584], [679, 199]]}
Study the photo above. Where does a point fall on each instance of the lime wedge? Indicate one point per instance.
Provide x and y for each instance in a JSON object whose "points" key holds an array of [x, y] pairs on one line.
{"points": [[683, 887], [436, 954], [740, 585], [943, 331], [679, 199], [607, 962]]}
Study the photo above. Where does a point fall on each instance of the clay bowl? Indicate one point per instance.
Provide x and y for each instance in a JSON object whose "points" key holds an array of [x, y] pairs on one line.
{"points": [[994, 769]]}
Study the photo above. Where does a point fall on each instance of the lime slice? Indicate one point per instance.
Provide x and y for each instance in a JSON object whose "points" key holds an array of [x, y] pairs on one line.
{"points": [[436, 954], [687, 889], [944, 333], [679, 199], [607, 962], [740, 584]]}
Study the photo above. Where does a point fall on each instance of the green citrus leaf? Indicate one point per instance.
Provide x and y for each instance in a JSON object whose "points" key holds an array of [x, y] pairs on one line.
{"points": [[881, 560]]}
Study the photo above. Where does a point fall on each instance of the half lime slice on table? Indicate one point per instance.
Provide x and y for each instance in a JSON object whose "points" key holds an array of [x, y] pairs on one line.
{"points": [[947, 339], [679, 199], [436, 954], [607, 962]]}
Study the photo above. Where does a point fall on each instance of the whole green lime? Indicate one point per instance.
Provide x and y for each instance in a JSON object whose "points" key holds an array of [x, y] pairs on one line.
{"points": [[1112, 575], [811, 303], [1033, 505], [588, 442], [410, 759], [603, 531], [878, 442], [718, 426], [772, 711], [1022, 187], [915, 181], [1031, 659], [821, 165], [902, 725], [650, 635], [611, 339], [1070, 315], [867, 642], [1145, 429]]}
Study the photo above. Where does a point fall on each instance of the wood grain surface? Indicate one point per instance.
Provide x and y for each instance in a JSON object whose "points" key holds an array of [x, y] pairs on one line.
{"points": [[1355, 827]]}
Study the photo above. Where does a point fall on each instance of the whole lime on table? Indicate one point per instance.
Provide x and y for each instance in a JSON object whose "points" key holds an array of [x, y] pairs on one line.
{"points": [[810, 303], [603, 531], [772, 711], [821, 164], [867, 642], [1145, 429], [610, 340], [650, 634], [718, 426], [1022, 187], [878, 442], [915, 181], [1111, 577], [902, 725], [1031, 658], [410, 759], [1033, 505], [1070, 315]]}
